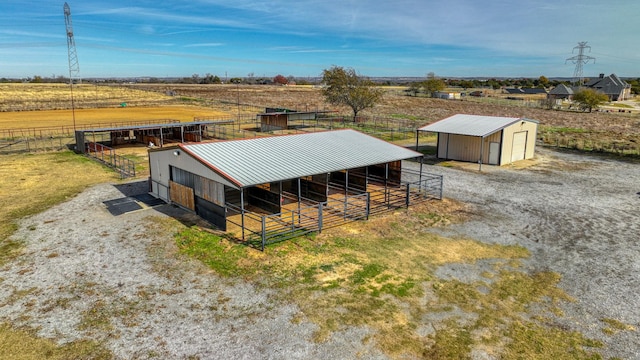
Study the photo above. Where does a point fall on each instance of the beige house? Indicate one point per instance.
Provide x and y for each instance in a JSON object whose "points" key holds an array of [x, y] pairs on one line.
{"points": [[489, 140]]}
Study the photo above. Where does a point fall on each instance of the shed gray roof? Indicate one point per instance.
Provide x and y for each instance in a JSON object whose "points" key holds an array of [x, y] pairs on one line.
{"points": [[263, 160], [472, 125]]}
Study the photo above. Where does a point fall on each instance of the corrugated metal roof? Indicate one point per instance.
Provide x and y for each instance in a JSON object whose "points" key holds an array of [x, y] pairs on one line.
{"points": [[472, 125], [270, 159], [156, 126]]}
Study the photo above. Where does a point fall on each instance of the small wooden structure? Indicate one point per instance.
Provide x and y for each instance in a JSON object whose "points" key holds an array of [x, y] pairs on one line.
{"points": [[281, 119]]}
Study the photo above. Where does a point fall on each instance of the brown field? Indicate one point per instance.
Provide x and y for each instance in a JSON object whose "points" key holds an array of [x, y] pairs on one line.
{"points": [[51, 118], [102, 104], [619, 126]]}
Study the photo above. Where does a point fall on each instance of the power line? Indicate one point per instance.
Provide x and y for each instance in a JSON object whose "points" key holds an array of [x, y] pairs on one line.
{"points": [[580, 60]]}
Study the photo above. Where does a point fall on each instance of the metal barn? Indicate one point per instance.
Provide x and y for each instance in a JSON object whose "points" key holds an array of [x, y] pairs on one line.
{"points": [[156, 134], [489, 140], [270, 189]]}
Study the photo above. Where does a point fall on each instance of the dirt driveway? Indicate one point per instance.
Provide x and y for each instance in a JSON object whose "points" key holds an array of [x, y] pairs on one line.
{"points": [[88, 274]]}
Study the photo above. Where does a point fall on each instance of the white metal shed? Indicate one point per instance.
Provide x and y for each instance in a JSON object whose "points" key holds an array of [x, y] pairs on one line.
{"points": [[489, 140]]}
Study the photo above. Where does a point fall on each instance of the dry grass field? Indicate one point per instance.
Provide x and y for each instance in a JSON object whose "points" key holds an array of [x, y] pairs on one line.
{"points": [[57, 118], [150, 101], [613, 126]]}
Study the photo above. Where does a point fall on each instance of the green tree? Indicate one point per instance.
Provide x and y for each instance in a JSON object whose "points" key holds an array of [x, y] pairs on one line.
{"points": [[433, 84], [589, 99], [210, 79], [346, 87], [543, 81]]}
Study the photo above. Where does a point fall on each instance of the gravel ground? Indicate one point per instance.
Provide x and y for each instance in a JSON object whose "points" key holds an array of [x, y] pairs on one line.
{"points": [[79, 258], [577, 215]]}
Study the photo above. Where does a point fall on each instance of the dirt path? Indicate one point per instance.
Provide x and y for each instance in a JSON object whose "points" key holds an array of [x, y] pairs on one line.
{"points": [[580, 217]]}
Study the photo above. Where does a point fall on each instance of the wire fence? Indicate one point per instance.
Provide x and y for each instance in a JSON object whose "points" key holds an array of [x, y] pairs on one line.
{"points": [[108, 156], [35, 144], [622, 148]]}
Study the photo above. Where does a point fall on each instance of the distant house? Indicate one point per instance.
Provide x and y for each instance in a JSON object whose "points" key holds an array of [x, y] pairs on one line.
{"points": [[612, 86], [560, 92], [534, 91], [525, 91]]}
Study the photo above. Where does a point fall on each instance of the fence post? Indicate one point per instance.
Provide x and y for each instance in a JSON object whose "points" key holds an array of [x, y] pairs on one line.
{"points": [[346, 200], [264, 232], [441, 185], [293, 221], [407, 201], [368, 208], [320, 218]]}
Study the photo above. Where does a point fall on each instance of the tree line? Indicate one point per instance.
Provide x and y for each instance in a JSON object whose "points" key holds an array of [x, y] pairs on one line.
{"points": [[429, 84]]}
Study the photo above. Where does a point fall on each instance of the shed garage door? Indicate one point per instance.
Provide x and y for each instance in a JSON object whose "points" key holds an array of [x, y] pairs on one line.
{"points": [[519, 146]]}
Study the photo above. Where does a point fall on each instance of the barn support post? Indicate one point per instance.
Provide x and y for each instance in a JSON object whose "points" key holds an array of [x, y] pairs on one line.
{"points": [[420, 176], [481, 150], [366, 179], [161, 138], [242, 212], [386, 190], [182, 133], [327, 188], [417, 138], [299, 198], [281, 199], [346, 192]]}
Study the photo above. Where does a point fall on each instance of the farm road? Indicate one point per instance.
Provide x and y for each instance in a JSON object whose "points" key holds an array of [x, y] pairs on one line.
{"points": [[88, 274], [579, 216]]}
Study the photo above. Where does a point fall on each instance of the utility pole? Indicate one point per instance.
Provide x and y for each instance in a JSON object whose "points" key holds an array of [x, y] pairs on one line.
{"points": [[580, 60]]}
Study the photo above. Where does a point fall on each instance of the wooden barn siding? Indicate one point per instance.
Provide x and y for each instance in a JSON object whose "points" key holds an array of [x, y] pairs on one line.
{"points": [[182, 195], [205, 188], [273, 122]]}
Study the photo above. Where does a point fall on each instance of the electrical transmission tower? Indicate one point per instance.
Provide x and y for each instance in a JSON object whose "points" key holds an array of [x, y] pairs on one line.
{"points": [[580, 60], [74, 67]]}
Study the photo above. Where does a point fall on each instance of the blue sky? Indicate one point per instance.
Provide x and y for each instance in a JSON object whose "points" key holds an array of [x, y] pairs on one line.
{"points": [[452, 38]]}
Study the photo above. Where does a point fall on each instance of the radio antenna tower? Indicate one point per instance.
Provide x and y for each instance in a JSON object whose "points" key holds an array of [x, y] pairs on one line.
{"points": [[74, 67], [580, 60]]}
